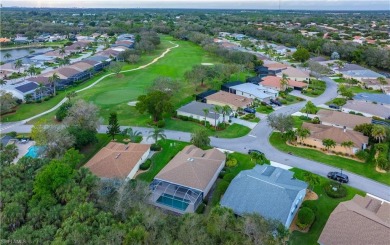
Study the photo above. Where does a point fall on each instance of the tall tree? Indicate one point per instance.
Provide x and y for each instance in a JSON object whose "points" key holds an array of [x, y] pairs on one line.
{"points": [[311, 179], [113, 127], [378, 132], [347, 144], [303, 133], [206, 112], [217, 110], [200, 138], [284, 82], [156, 134], [301, 55], [7, 56], [155, 103], [71, 95], [309, 108], [280, 122], [18, 64], [53, 81], [132, 134], [226, 110], [7, 102]]}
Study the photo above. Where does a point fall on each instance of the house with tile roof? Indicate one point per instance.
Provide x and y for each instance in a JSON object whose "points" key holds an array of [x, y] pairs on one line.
{"points": [[367, 108], [362, 220], [269, 191], [341, 119], [294, 74], [275, 83], [234, 101], [319, 132], [187, 179], [117, 160], [195, 110]]}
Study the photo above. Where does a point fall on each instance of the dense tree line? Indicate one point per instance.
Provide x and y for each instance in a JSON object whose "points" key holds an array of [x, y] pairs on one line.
{"points": [[51, 201]]}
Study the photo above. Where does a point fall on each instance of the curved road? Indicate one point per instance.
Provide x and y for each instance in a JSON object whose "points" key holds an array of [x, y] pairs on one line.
{"points": [[258, 139]]}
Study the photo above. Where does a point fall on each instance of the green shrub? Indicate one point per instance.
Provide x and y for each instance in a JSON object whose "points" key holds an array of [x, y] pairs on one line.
{"points": [[339, 191], [145, 165], [362, 154], [201, 208], [310, 204], [229, 177], [306, 218], [232, 162], [155, 147], [161, 124], [13, 134]]}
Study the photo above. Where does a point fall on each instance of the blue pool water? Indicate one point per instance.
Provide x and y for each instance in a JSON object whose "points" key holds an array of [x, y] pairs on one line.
{"points": [[34, 151], [174, 202]]}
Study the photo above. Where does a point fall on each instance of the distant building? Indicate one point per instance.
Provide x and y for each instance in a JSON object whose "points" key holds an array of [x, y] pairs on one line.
{"points": [[341, 119], [274, 82], [234, 101], [294, 74]]}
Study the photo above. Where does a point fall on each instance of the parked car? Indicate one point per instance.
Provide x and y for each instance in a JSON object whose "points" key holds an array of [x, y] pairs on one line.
{"points": [[256, 151], [276, 102], [250, 110], [333, 106], [338, 177]]}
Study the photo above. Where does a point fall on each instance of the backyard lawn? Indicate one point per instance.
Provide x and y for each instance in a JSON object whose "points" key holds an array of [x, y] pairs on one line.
{"points": [[363, 169], [298, 121], [169, 149], [316, 88], [324, 205], [264, 109]]}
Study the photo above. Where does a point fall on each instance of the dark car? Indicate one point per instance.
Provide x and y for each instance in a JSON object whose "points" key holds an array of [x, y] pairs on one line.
{"points": [[276, 102], [338, 177], [250, 110], [334, 106], [256, 151]]}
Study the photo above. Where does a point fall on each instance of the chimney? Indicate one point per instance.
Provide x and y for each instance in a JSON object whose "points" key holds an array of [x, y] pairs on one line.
{"points": [[345, 129]]}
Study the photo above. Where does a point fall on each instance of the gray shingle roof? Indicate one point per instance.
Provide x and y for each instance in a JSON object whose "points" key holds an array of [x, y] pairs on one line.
{"points": [[196, 108], [266, 190]]}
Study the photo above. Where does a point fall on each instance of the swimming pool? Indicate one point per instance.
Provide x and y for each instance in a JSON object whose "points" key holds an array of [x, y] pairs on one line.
{"points": [[174, 202], [34, 151]]}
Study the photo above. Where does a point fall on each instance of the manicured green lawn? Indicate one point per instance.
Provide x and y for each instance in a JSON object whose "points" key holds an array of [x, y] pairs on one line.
{"points": [[298, 121], [363, 169], [357, 89], [316, 88], [232, 131], [169, 149], [290, 99], [264, 109], [324, 205]]}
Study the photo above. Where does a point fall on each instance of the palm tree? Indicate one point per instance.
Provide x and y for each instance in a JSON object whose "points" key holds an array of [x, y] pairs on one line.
{"points": [[347, 144], [28, 97], [217, 110], [303, 133], [133, 134], [328, 143], [7, 56], [18, 64], [256, 156], [290, 135], [311, 179], [71, 95], [225, 110], [53, 80], [156, 134], [206, 112], [62, 52], [32, 70], [40, 90], [3, 82], [284, 82], [309, 108], [378, 132]]}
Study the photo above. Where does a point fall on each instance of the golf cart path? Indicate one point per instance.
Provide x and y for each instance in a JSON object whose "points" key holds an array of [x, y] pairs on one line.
{"points": [[7, 126]]}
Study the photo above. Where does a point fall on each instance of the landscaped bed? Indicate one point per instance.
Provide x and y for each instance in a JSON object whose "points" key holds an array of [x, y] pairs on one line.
{"points": [[363, 169]]}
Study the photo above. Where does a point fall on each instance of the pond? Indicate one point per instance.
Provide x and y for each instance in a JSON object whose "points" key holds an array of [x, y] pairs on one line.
{"points": [[20, 53]]}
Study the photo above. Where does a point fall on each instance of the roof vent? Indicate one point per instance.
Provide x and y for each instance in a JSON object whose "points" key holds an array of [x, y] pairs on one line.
{"points": [[117, 156], [127, 147], [190, 159]]}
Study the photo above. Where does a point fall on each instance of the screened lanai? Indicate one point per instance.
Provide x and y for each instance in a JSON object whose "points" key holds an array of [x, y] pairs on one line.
{"points": [[181, 199]]}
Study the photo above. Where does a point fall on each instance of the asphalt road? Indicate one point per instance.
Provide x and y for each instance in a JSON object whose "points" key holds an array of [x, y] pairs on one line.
{"points": [[258, 139]]}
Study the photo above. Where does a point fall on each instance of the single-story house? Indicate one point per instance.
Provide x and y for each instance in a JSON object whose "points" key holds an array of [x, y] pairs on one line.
{"points": [[275, 83], [125, 43], [358, 72], [117, 160], [377, 98], [27, 88], [196, 109], [68, 75], [266, 190], [294, 74], [275, 67], [319, 132], [223, 98], [341, 119], [187, 179], [368, 109], [362, 220], [126, 36], [253, 91]]}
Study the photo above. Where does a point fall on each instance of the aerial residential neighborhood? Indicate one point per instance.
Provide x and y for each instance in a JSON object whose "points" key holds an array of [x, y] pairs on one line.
{"points": [[194, 123]]}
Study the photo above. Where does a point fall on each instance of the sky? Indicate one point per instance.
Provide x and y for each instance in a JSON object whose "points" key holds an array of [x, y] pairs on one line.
{"points": [[208, 4]]}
